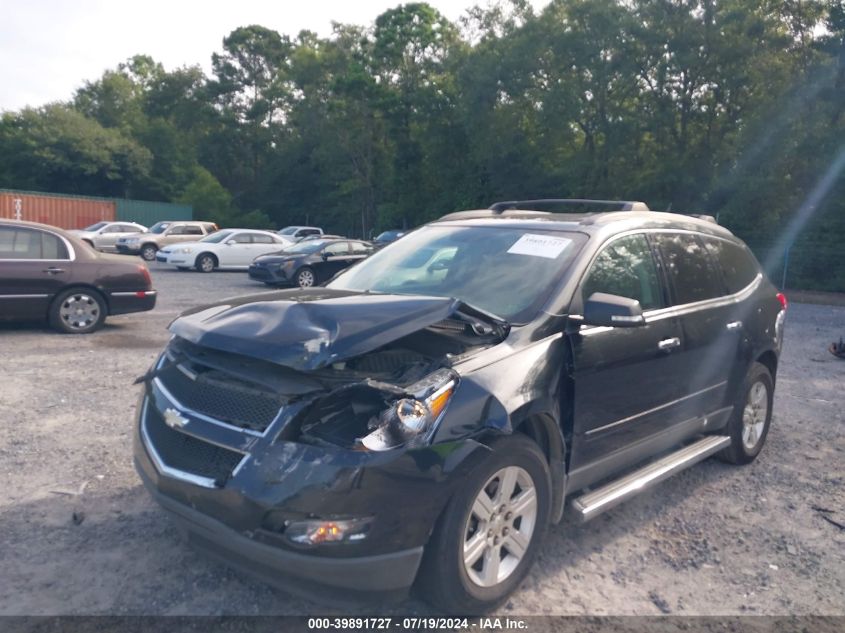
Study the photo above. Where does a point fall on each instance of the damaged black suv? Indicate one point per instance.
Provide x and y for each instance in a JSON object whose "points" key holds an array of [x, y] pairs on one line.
{"points": [[422, 418]]}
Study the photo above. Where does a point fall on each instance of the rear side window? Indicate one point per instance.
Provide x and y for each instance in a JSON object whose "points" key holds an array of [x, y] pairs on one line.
{"points": [[688, 268], [30, 244], [193, 230], [737, 263], [337, 248], [258, 238], [626, 268]]}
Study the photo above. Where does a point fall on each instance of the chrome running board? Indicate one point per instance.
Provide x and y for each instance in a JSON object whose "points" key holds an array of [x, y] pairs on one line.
{"points": [[592, 504]]}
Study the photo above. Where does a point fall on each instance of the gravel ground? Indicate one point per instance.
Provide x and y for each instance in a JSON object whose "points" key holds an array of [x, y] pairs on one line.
{"points": [[79, 535]]}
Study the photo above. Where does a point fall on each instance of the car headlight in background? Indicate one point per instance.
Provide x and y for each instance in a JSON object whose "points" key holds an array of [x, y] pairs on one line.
{"points": [[187, 251], [412, 421]]}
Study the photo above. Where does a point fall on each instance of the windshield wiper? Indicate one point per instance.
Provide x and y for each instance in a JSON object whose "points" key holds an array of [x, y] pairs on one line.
{"points": [[482, 322]]}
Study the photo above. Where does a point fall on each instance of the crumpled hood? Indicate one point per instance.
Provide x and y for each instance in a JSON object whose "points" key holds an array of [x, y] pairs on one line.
{"points": [[310, 328]]}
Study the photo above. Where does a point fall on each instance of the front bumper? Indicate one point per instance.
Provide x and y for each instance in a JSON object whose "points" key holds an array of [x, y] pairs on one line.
{"points": [[338, 579], [176, 259], [240, 517], [268, 275]]}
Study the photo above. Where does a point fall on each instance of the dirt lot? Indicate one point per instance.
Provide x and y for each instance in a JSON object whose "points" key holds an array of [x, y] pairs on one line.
{"points": [[79, 535]]}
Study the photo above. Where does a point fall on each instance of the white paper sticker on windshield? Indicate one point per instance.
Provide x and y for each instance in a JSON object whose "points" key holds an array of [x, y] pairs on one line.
{"points": [[549, 246]]}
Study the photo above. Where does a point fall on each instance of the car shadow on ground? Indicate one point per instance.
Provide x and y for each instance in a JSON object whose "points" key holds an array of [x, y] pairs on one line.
{"points": [[145, 566]]}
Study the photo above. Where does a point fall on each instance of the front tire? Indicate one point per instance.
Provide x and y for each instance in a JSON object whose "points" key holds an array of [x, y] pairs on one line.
{"points": [[77, 311], [488, 536], [206, 263], [751, 417], [305, 277]]}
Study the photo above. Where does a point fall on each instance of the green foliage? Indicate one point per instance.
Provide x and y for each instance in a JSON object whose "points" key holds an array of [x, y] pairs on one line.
{"points": [[57, 148], [727, 107]]}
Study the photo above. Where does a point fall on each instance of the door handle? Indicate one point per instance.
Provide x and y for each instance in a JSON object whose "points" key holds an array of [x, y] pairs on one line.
{"points": [[54, 271], [734, 325], [669, 343]]}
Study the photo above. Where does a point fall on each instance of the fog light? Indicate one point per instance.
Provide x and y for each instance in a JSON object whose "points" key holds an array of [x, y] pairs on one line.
{"points": [[321, 531]]}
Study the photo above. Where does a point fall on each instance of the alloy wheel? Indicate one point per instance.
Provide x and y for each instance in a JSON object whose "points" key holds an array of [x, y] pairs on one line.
{"points": [[754, 415], [207, 264], [305, 279], [500, 526], [79, 311]]}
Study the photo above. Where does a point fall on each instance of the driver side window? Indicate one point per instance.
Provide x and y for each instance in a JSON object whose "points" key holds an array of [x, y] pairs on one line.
{"points": [[626, 268]]}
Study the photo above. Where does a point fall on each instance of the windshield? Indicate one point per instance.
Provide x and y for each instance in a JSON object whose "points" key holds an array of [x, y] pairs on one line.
{"points": [[505, 271], [95, 227], [290, 230], [216, 238], [388, 236], [159, 227]]}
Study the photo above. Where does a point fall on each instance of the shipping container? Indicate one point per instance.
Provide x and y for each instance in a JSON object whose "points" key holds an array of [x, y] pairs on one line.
{"points": [[66, 212], [148, 213], [77, 212]]}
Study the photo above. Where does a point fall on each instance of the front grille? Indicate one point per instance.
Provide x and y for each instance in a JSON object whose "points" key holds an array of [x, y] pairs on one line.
{"points": [[186, 453], [224, 398], [259, 272]]}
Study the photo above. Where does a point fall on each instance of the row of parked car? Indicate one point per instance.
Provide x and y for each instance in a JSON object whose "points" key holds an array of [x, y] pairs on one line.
{"points": [[71, 279], [295, 255]]}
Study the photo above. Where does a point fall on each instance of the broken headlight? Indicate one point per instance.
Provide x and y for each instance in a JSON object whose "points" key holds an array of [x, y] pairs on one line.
{"points": [[412, 420]]}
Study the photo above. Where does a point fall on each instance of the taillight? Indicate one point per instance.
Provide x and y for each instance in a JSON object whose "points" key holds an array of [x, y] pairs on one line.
{"points": [[146, 274], [783, 302]]}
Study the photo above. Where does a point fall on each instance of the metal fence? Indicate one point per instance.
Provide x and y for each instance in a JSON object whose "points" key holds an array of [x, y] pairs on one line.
{"points": [[805, 265]]}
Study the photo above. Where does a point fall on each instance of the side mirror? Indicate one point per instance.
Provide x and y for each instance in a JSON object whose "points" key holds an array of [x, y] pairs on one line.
{"points": [[612, 311], [326, 256], [438, 265], [230, 242]]}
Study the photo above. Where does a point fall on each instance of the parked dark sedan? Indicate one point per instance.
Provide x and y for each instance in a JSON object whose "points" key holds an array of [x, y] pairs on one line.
{"points": [[309, 262], [47, 272], [386, 237]]}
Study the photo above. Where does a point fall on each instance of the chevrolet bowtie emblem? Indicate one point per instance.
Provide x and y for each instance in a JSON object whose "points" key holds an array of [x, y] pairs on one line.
{"points": [[174, 419]]}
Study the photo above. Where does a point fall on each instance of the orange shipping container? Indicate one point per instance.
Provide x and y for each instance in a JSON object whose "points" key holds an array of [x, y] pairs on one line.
{"points": [[66, 212]]}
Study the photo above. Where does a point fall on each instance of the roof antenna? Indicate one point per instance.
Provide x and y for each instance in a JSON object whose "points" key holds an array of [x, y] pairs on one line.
{"points": [[669, 208]]}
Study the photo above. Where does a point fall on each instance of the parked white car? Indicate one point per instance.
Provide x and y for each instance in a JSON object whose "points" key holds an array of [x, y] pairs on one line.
{"points": [[104, 235], [232, 249]]}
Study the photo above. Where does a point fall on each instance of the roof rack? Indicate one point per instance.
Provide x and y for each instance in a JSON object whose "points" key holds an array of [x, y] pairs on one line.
{"points": [[544, 204]]}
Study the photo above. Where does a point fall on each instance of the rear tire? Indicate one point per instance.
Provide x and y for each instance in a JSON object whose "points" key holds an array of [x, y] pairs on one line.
{"points": [[77, 311], [751, 417], [148, 252], [206, 263], [473, 563]]}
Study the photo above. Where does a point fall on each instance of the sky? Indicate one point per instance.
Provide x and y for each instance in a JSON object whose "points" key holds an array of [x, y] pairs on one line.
{"points": [[49, 48]]}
